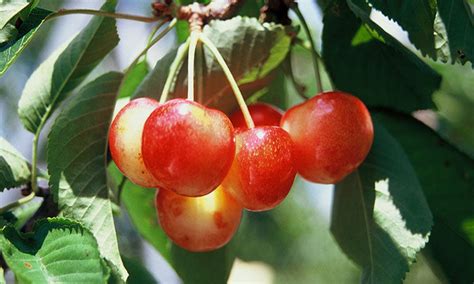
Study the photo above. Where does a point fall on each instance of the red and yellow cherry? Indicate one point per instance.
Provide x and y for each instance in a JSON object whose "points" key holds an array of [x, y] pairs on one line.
{"points": [[125, 140], [332, 133], [261, 113], [262, 172], [187, 147], [198, 223]]}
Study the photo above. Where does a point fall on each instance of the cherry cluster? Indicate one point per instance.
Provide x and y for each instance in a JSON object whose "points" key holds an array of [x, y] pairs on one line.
{"points": [[209, 167]]}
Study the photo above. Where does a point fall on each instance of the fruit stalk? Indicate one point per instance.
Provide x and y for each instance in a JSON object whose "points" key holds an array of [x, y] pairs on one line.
{"points": [[174, 69], [235, 87], [194, 37]]}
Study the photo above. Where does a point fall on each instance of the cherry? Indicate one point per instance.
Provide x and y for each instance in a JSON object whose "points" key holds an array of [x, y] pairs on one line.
{"points": [[332, 133], [262, 172], [125, 140], [198, 223], [187, 147], [261, 113]]}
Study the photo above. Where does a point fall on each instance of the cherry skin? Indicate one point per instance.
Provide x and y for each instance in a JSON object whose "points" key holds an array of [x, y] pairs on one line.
{"points": [[198, 223], [187, 147], [125, 140], [332, 133], [261, 113], [262, 172]]}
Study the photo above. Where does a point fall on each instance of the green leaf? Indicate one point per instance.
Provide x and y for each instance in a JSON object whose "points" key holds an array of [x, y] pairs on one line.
{"points": [[133, 78], [416, 17], [7, 33], [459, 22], [9, 9], [77, 163], [9, 51], [138, 273], [380, 217], [25, 212], [447, 178], [14, 169], [59, 251], [140, 204], [251, 50], [65, 69], [203, 267], [366, 61]]}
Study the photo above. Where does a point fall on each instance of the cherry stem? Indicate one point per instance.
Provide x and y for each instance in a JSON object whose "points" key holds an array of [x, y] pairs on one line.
{"points": [[313, 47], [152, 42], [194, 37], [235, 87], [174, 69], [19, 202], [64, 12]]}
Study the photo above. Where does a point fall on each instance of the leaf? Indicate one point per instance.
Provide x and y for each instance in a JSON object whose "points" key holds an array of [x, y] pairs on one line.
{"points": [[459, 23], [59, 251], [140, 204], [25, 212], [447, 178], [133, 78], [7, 33], [14, 169], [76, 163], [9, 9], [416, 17], [138, 273], [65, 69], [203, 267], [251, 50], [380, 217], [9, 51], [366, 61]]}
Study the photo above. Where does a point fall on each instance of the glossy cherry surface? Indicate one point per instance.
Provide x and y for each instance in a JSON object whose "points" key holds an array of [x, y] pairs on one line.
{"points": [[332, 133], [198, 223], [125, 140], [187, 147], [261, 113], [262, 172]]}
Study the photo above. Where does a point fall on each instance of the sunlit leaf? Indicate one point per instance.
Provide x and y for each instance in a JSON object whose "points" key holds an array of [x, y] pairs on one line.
{"points": [[65, 69], [14, 169], [76, 163], [380, 217], [59, 250], [366, 61], [447, 178]]}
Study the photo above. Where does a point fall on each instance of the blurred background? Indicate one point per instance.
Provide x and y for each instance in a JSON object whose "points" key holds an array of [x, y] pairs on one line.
{"points": [[301, 248]]}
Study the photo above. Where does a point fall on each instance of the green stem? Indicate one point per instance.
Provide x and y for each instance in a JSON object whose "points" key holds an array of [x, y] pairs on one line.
{"points": [[154, 31], [235, 87], [174, 69], [313, 47], [153, 42], [65, 12], [192, 51], [17, 203]]}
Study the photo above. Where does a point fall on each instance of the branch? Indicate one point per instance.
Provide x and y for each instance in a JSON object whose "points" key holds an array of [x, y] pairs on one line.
{"points": [[196, 12]]}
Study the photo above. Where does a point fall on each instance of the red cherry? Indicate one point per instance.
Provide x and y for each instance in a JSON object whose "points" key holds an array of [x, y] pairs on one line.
{"points": [[262, 172], [198, 223], [125, 140], [187, 147], [332, 133], [261, 113]]}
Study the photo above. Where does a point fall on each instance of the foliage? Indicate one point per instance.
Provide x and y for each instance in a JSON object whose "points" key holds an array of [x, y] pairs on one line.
{"points": [[412, 193]]}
